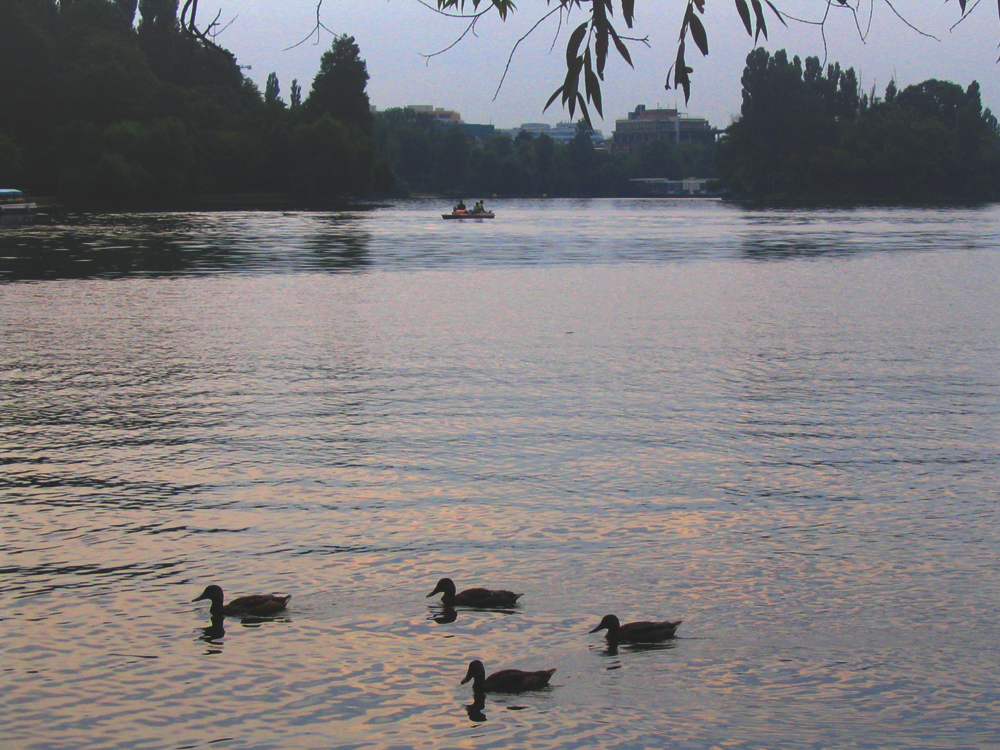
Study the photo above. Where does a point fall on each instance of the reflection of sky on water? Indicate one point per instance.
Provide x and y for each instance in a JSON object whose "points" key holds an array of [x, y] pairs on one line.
{"points": [[68, 246], [797, 459], [410, 235]]}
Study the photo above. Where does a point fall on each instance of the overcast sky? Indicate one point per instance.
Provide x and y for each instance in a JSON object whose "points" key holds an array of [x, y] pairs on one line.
{"points": [[394, 34]]}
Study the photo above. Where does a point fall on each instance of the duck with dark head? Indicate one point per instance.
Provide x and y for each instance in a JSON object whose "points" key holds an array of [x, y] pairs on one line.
{"points": [[637, 632], [254, 605], [484, 598], [506, 680]]}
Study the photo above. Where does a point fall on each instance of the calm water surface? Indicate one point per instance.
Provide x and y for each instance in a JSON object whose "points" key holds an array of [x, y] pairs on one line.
{"points": [[780, 426]]}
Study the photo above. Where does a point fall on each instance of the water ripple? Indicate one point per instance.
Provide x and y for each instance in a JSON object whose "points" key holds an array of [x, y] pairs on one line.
{"points": [[778, 426]]}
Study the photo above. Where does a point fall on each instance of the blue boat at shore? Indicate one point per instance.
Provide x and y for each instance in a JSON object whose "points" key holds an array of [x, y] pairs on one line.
{"points": [[13, 206]]}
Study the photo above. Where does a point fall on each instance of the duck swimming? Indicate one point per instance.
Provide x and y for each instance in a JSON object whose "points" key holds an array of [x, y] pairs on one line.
{"points": [[255, 605], [506, 680], [473, 597], [636, 632]]}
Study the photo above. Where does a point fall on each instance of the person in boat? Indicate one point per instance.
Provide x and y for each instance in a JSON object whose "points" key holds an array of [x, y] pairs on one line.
{"points": [[460, 208], [479, 208]]}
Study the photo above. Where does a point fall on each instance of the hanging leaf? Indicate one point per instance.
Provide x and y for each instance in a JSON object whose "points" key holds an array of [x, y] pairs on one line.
{"points": [[592, 84], [573, 46], [758, 11], [623, 50], [628, 11], [744, 11], [698, 34], [776, 12], [552, 98], [681, 73], [601, 50]]}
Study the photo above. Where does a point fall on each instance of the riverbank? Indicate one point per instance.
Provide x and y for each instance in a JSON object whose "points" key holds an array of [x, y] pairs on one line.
{"points": [[208, 202]]}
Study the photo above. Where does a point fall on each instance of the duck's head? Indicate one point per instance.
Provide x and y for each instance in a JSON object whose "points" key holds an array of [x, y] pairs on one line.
{"points": [[445, 586], [213, 593], [476, 673], [609, 623]]}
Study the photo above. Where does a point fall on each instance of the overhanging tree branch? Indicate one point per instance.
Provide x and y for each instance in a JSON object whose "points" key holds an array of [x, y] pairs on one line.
{"points": [[589, 44]]}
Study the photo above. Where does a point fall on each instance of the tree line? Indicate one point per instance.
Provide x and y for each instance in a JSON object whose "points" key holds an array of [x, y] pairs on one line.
{"points": [[805, 133], [427, 157], [108, 99], [112, 100], [809, 134]]}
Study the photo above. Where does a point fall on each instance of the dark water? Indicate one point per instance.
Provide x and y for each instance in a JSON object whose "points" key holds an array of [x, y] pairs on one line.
{"points": [[780, 426]]}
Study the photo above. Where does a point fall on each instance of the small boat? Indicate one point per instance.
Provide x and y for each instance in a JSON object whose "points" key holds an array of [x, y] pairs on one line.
{"points": [[469, 215], [13, 207]]}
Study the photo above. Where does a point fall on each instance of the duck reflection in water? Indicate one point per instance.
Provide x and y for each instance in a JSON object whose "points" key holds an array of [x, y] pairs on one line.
{"points": [[611, 648], [475, 709], [444, 615], [213, 634]]}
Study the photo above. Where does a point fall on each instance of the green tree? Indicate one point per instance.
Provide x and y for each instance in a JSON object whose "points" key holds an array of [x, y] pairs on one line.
{"points": [[126, 161], [339, 87], [806, 135], [332, 158], [581, 158], [108, 79], [29, 61], [128, 9], [11, 161], [157, 15], [787, 125], [408, 140], [454, 155], [272, 90]]}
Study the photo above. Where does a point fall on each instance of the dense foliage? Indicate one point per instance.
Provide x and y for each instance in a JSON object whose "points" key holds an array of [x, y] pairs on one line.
{"points": [[114, 100], [427, 157], [809, 134], [107, 99]]}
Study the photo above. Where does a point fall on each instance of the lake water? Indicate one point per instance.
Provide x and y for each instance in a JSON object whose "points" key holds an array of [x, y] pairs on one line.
{"points": [[780, 426]]}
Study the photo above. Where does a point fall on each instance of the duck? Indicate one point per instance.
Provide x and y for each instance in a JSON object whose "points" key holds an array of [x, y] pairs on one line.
{"points": [[473, 597], [637, 632], [506, 680], [254, 605]]}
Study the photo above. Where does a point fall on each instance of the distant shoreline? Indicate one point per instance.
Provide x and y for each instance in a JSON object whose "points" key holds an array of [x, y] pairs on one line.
{"points": [[284, 202], [206, 202]]}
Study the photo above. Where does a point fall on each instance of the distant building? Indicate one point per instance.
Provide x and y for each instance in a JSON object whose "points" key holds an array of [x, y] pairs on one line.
{"points": [[667, 125], [478, 132], [449, 117], [663, 187], [564, 132], [441, 115]]}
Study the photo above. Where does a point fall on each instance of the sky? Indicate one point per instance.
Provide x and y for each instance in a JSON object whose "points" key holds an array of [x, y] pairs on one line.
{"points": [[395, 35]]}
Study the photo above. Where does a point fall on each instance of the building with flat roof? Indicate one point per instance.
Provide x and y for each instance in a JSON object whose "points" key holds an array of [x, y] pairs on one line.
{"points": [[564, 132], [664, 187], [441, 115], [666, 125]]}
